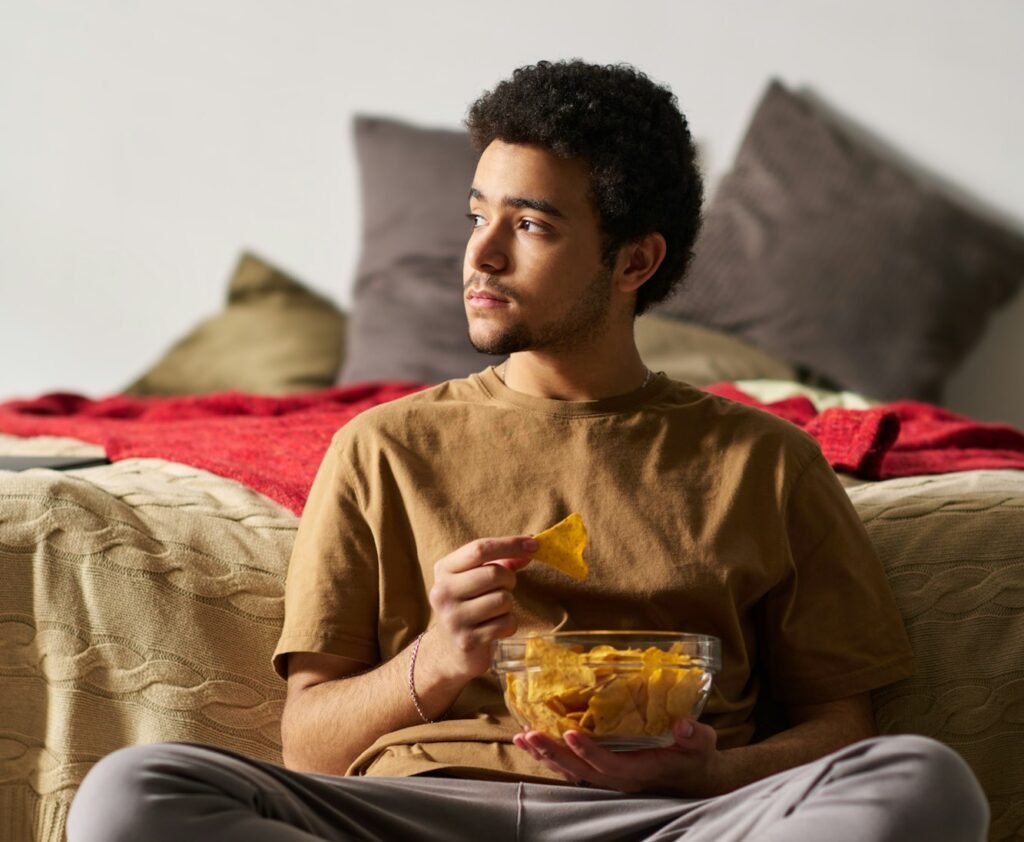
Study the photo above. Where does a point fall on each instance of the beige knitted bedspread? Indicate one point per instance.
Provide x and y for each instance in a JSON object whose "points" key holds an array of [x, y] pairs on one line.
{"points": [[953, 548], [141, 601]]}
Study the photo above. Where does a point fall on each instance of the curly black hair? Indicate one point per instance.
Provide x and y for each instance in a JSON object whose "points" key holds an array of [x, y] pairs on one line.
{"points": [[643, 170]]}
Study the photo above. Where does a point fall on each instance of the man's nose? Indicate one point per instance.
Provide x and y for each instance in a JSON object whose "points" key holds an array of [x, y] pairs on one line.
{"points": [[486, 251]]}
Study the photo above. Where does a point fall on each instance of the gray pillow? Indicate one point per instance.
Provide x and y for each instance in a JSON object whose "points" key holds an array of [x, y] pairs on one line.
{"points": [[820, 250], [408, 320]]}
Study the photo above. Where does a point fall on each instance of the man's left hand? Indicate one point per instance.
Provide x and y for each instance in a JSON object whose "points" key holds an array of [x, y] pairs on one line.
{"points": [[686, 768]]}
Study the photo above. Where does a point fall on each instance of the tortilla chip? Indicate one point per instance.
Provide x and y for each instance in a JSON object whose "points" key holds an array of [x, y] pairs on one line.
{"points": [[562, 545], [683, 695]]}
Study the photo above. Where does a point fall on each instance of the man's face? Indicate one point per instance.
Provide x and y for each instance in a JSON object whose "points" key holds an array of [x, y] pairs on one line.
{"points": [[533, 275]]}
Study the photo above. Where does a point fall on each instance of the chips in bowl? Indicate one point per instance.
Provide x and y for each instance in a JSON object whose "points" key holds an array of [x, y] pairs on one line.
{"points": [[623, 689]]}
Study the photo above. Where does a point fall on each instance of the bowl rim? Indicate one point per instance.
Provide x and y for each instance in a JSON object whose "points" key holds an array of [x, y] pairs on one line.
{"points": [[706, 649]]}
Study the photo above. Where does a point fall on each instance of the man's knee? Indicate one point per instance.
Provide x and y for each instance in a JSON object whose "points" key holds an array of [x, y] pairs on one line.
{"points": [[943, 791], [114, 801]]}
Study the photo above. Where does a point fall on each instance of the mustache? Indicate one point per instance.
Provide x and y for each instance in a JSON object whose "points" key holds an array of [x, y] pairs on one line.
{"points": [[490, 283]]}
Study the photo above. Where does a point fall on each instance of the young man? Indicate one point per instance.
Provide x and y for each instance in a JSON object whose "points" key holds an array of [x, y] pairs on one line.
{"points": [[413, 555]]}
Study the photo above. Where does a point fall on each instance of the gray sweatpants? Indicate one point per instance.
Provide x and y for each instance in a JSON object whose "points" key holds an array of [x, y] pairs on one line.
{"points": [[901, 789]]}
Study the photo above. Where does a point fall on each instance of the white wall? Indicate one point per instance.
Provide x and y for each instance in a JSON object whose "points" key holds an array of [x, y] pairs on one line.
{"points": [[143, 144]]}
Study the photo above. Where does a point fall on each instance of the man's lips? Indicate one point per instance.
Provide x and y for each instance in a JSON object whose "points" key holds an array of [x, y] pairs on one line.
{"points": [[484, 299]]}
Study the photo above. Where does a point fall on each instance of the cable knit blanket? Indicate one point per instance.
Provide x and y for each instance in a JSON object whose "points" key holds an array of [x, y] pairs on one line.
{"points": [[139, 602], [274, 445]]}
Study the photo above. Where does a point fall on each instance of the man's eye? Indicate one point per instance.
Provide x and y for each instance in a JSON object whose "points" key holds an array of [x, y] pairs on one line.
{"points": [[475, 218], [533, 226]]}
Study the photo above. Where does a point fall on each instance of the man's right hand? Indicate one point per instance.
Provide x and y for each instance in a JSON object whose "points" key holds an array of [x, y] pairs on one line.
{"points": [[472, 602]]}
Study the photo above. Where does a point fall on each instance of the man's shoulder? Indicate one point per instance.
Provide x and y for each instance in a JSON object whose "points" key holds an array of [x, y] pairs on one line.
{"points": [[429, 406], [734, 422], [726, 411]]}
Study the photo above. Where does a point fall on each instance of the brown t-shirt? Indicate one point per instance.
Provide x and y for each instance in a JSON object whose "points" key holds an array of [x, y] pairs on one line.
{"points": [[704, 516]]}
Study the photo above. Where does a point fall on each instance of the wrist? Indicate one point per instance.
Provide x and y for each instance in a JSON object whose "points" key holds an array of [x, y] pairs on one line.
{"points": [[733, 768], [410, 678], [431, 689], [720, 774]]}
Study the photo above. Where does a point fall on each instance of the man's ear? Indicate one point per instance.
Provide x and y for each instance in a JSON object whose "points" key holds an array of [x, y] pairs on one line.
{"points": [[638, 260]]}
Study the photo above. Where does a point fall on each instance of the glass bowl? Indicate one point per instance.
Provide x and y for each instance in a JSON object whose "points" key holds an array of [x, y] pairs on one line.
{"points": [[623, 689]]}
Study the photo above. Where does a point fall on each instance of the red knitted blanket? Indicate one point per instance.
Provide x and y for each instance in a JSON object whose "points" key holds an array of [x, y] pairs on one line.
{"points": [[275, 445], [272, 445], [900, 439]]}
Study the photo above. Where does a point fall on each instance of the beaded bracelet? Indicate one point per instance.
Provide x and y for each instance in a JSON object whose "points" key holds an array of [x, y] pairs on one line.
{"points": [[412, 685]]}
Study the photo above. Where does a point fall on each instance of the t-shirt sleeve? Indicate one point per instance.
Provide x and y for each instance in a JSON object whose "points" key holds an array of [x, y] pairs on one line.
{"points": [[331, 591], [831, 628]]}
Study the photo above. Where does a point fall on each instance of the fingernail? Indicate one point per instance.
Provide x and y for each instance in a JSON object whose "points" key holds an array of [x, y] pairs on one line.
{"points": [[530, 544], [687, 730]]}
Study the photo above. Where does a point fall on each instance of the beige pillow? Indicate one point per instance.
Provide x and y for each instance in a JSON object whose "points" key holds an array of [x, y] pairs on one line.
{"points": [[275, 336], [701, 355]]}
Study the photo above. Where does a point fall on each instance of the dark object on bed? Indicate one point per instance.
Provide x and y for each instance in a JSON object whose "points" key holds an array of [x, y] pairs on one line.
{"points": [[54, 463]]}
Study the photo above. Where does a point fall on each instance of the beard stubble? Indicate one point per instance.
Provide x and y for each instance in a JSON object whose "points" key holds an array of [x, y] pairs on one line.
{"points": [[576, 329]]}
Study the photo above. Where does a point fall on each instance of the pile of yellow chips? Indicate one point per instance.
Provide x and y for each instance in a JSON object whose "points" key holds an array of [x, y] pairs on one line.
{"points": [[605, 692]]}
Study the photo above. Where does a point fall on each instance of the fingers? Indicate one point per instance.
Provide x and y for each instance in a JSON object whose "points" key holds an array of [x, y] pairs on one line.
{"points": [[545, 752], [483, 550], [605, 762], [469, 640], [473, 584], [580, 760], [472, 599], [470, 614], [693, 736], [465, 600], [455, 587]]}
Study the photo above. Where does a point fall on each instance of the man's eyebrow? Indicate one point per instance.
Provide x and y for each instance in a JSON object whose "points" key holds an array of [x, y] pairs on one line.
{"points": [[542, 205]]}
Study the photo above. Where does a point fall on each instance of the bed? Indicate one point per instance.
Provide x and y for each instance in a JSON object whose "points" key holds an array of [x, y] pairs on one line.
{"points": [[141, 599]]}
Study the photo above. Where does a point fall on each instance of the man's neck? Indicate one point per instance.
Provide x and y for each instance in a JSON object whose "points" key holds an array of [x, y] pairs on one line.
{"points": [[575, 377]]}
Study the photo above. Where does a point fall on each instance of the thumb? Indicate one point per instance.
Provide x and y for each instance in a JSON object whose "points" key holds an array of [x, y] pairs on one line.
{"points": [[691, 735]]}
